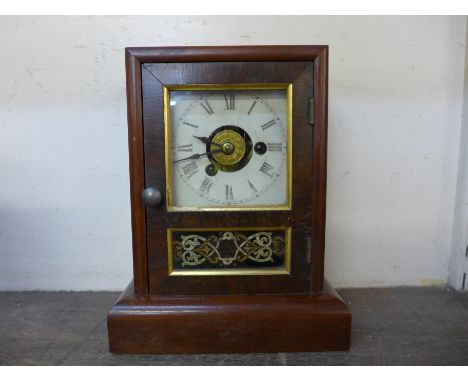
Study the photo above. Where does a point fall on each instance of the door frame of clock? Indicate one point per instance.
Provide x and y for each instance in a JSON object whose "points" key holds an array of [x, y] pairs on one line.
{"points": [[135, 57]]}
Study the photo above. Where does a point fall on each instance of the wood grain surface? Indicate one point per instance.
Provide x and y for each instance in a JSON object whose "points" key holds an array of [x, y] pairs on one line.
{"points": [[228, 314], [148, 70]]}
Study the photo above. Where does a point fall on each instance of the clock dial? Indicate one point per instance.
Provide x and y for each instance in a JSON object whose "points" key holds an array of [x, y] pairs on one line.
{"points": [[228, 148]]}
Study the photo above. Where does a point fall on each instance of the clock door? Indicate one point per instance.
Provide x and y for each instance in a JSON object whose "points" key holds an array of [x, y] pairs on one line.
{"points": [[229, 146]]}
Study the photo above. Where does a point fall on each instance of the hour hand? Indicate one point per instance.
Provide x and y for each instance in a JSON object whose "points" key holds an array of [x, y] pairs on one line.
{"points": [[207, 141], [197, 156]]}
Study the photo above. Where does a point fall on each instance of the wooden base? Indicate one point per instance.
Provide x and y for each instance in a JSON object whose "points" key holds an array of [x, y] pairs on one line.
{"points": [[229, 324]]}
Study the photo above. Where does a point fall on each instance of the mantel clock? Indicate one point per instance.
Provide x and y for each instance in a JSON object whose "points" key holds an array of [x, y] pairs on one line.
{"points": [[227, 153]]}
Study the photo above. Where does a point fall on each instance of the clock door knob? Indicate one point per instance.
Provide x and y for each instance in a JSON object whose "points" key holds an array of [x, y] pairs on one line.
{"points": [[151, 196]]}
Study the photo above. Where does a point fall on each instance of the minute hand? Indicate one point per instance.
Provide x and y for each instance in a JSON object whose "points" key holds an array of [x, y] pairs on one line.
{"points": [[197, 156]]}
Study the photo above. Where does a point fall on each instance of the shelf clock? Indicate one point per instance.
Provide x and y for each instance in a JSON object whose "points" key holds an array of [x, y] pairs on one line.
{"points": [[227, 151]]}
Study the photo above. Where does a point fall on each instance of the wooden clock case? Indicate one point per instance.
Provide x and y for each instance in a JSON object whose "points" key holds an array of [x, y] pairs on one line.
{"points": [[158, 313]]}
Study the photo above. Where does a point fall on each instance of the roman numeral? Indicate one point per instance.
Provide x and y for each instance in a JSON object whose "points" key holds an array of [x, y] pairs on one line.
{"points": [[186, 148], [275, 146], [190, 124], [230, 101], [251, 107], [252, 187], [267, 169], [268, 124], [190, 169], [229, 194], [206, 186], [205, 105]]}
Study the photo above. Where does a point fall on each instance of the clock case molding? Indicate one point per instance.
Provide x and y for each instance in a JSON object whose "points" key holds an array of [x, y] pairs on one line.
{"points": [[173, 319]]}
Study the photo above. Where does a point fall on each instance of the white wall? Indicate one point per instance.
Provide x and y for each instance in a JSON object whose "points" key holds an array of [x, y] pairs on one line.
{"points": [[458, 275], [395, 115]]}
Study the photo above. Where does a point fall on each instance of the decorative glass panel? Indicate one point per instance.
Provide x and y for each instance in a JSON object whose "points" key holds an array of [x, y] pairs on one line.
{"points": [[225, 250]]}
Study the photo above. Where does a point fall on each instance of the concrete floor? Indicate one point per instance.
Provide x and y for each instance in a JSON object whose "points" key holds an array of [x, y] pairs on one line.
{"points": [[391, 326]]}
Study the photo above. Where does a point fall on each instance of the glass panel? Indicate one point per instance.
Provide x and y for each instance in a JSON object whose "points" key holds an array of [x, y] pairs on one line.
{"points": [[229, 148], [229, 249]]}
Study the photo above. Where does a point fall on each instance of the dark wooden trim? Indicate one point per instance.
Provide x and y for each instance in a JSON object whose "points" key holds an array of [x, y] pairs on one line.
{"points": [[229, 324], [137, 176], [319, 199], [228, 53]]}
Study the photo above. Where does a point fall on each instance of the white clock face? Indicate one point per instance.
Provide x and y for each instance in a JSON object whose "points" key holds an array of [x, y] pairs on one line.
{"points": [[228, 148]]}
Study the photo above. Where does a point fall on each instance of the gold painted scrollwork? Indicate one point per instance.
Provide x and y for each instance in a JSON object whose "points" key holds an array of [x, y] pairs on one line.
{"points": [[228, 249]]}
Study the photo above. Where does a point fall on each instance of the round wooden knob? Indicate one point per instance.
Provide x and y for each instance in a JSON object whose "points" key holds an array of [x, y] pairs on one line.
{"points": [[151, 196]]}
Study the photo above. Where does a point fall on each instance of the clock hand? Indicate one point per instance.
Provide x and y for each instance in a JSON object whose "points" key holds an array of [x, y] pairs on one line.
{"points": [[197, 156], [207, 141]]}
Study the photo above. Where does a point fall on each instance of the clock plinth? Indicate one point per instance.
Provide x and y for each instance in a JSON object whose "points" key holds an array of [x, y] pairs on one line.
{"points": [[229, 323]]}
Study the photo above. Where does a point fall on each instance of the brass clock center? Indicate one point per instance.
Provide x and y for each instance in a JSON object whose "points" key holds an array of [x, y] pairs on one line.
{"points": [[228, 148], [233, 147]]}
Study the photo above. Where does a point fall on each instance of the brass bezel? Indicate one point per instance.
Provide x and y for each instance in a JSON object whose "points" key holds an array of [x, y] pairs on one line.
{"points": [[256, 86], [285, 270]]}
